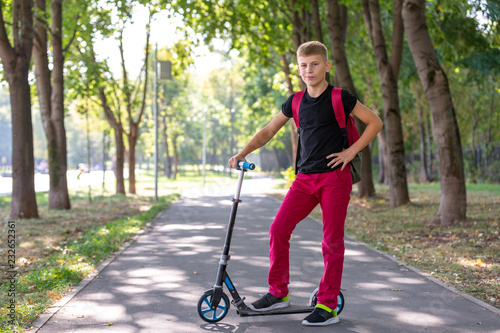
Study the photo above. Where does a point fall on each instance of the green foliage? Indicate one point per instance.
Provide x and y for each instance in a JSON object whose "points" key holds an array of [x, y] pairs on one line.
{"points": [[289, 175]]}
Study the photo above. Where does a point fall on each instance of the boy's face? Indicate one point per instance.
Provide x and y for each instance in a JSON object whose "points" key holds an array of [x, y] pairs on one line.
{"points": [[312, 69]]}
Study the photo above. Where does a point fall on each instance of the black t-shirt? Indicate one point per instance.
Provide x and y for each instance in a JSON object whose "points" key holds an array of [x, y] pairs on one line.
{"points": [[319, 131]]}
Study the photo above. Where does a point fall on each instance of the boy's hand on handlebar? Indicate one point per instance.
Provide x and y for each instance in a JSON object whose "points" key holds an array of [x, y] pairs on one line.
{"points": [[234, 160]]}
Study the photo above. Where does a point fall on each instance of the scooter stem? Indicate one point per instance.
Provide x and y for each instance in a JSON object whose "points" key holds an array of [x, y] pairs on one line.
{"points": [[229, 234]]}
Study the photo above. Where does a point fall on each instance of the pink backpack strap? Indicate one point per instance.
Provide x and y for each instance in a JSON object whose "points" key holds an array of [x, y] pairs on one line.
{"points": [[296, 100], [338, 107]]}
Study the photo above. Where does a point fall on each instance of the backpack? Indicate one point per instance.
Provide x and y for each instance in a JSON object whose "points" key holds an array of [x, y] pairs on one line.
{"points": [[348, 129]]}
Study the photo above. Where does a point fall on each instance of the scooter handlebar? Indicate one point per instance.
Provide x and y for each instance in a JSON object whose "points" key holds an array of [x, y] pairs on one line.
{"points": [[245, 165]]}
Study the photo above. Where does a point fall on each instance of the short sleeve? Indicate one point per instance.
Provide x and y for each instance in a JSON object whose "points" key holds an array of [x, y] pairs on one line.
{"points": [[286, 107], [349, 101]]}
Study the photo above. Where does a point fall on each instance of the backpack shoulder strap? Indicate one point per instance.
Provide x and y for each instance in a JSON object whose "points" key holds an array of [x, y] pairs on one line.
{"points": [[338, 106], [296, 100], [347, 127]]}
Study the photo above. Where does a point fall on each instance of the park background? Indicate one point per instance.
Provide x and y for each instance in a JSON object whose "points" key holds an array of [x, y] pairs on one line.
{"points": [[90, 73]]}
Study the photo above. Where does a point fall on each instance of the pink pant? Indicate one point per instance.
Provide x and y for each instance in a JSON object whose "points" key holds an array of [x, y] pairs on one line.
{"points": [[332, 191]]}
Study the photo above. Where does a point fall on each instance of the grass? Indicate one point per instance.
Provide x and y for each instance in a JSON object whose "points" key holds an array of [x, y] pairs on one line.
{"points": [[465, 256], [56, 251]]}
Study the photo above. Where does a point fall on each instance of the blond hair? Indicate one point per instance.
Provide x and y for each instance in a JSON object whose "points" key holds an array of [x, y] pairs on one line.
{"points": [[313, 48]]}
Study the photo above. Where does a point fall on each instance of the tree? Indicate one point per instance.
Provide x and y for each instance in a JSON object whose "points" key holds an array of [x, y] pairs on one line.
{"points": [[90, 77], [453, 204], [388, 69], [337, 27], [50, 87], [16, 64], [131, 103]]}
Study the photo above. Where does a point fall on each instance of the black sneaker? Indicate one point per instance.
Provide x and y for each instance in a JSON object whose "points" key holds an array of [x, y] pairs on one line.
{"points": [[269, 302], [321, 317]]}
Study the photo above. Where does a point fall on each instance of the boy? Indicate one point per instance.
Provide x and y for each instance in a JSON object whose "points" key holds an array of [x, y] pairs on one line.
{"points": [[323, 177]]}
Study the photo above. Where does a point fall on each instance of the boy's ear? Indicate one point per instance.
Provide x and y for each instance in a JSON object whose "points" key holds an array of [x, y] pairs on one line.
{"points": [[328, 66]]}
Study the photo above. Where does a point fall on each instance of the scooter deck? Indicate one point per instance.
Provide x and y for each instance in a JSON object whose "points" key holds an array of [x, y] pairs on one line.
{"points": [[293, 308]]}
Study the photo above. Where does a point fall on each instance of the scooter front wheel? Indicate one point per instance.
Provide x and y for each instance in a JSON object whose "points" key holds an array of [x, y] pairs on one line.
{"points": [[207, 313], [340, 300]]}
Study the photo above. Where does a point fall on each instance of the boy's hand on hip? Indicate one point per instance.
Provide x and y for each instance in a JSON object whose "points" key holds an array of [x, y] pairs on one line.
{"points": [[343, 157]]}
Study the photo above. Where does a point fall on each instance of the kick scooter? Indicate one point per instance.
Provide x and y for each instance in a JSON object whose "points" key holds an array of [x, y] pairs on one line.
{"points": [[214, 305]]}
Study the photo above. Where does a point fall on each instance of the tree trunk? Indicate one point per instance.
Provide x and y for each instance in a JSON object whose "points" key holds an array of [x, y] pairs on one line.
{"points": [[16, 65], [176, 156], [337, 27], [23, 204], [430, 155], [318, 31], [423, 151], [133, 134], [382, 159], [115, 123], [132, 142], [166, 163], [453, 205], [89, 155], [120, 160], [388, 72], [51, 99], [293, 128]]}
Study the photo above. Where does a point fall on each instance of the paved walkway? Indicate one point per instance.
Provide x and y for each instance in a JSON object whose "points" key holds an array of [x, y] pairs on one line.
{"points": [[154, 285]]}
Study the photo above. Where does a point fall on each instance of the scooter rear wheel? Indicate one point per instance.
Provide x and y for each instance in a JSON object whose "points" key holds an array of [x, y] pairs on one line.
{"points": [[207, 313], [313, 300]]}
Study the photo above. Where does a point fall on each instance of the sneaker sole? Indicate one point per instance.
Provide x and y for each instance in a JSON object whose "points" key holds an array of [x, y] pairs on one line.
{"points": [[280, 305], [330, 321]]}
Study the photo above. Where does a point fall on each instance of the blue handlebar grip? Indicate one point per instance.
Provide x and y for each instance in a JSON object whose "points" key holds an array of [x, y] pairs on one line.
{"points": [[245, 165]]}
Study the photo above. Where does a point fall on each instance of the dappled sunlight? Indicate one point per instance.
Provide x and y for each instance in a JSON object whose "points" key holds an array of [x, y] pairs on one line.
{"points": [[137, 281], [183, 298], [373, 286], [100, 311], [418, 319], [351, 253], [159, 274], [167, 286], [170, 227], [133, 289], [258, 261], [378, 297], [406, 280], [255, 290], [474, 263], [312, 248], [143, 319], [304, 284]]}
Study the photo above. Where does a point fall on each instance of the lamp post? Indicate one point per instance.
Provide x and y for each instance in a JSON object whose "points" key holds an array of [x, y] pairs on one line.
{"points": [[204, 158], [165, 74], [231, 152], [155, 116]]}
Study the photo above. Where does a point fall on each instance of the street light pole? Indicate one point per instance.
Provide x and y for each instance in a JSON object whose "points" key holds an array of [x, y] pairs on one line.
{"points": [[204, 143], [155, 116]]}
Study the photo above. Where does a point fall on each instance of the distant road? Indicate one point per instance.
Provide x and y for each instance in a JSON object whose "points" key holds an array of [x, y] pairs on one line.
{"points": [[42, 180]]}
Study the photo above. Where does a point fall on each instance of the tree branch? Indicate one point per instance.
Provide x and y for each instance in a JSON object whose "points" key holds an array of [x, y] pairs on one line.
{"points": [[6, 50], [397, 38]]}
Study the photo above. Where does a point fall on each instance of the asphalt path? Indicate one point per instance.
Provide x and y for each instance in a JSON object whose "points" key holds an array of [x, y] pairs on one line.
{"points": [[154, 284]]}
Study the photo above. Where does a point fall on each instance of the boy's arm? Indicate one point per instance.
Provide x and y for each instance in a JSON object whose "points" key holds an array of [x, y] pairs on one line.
{"points": [[373, 126], [261, 138]]}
